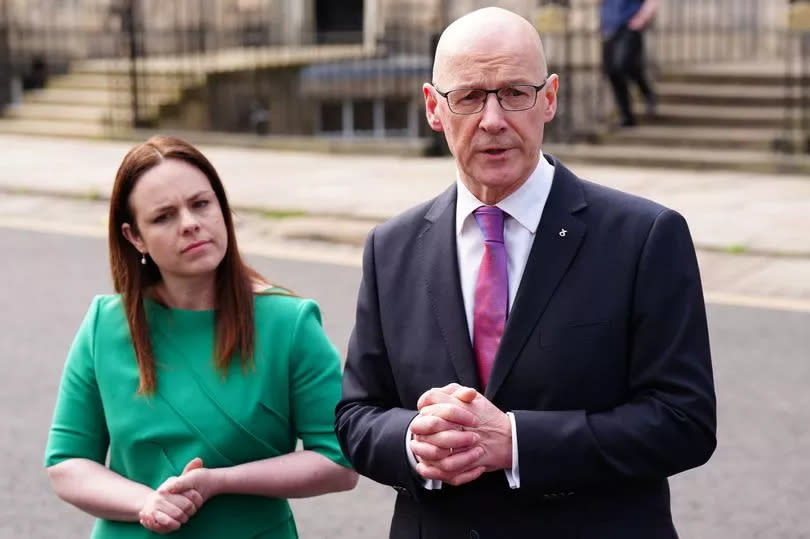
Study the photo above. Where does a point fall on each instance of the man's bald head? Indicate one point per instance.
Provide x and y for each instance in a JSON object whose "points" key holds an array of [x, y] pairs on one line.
{"points": [[486, 29], [496, 147]]}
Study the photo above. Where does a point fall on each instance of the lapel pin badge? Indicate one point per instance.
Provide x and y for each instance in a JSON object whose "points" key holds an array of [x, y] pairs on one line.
{"points": [[563, 232]]}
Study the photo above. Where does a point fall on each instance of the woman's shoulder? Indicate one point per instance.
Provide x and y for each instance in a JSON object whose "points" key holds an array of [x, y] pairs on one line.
{"points": [[280, 303], [106, 311], [105, 304], [108, 308], [108, 304], [108, 300]]}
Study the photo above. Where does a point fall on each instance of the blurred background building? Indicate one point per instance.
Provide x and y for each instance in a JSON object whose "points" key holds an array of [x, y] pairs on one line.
{"points": [[730, 74]]}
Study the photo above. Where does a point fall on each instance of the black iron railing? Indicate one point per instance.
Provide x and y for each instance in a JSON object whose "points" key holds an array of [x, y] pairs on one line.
{"points": [[685, 34], [247, 66]]}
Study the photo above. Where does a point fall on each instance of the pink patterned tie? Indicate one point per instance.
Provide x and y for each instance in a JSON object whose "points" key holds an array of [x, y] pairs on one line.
{"points": [[491, 291]]}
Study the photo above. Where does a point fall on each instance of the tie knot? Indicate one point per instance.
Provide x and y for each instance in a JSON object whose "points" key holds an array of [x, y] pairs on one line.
{"points": [[490, 221]]}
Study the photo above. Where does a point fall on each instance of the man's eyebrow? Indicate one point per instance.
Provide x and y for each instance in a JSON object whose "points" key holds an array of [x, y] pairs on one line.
{"points": [[480, 86]]}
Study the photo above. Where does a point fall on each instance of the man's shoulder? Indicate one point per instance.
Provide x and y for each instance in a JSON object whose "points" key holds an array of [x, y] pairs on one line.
{"points": [[609, 200], [581, 191], [597, 192]]}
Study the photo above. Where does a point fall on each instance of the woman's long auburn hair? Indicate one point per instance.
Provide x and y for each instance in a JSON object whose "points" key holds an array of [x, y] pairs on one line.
{"points": [[234, 329]]}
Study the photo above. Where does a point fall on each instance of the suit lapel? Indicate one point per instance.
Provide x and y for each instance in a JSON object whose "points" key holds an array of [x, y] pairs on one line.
{"points": [[437, 249], [556, 242]]}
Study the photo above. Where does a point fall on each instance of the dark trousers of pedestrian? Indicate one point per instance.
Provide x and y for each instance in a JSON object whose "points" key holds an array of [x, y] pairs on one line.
{"points": [[623, 61]]}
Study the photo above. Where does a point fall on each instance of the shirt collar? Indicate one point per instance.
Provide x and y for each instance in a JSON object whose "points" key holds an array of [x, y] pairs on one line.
{"points": [[524, 205]]}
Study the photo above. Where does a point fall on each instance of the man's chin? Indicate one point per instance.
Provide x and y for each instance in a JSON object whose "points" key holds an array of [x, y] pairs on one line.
{"points": [[498, 175]]}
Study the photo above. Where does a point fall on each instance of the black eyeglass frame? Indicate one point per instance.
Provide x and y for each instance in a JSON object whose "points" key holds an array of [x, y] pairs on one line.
{"points": [[537, 89]]}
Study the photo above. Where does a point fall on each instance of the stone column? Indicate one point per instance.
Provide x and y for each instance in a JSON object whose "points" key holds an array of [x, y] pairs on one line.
{"points": [[299, 22], [373, 28]]}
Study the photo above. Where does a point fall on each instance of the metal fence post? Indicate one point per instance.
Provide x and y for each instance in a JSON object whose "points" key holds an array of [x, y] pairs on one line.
{"points": [[202, 28], [797, 116], [5, 55], [552, 21], [437, 145], [804, 85], [130, 26]]}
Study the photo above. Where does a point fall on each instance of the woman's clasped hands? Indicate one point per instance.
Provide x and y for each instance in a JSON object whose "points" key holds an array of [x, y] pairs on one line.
{"points": [[177, 499]]}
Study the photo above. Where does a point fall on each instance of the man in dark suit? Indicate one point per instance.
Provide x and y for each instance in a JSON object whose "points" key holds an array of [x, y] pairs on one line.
{"points": [[530, 356]]}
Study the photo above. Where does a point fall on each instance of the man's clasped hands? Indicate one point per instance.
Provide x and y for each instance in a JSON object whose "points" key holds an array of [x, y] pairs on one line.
{"points": [[459, 434]]}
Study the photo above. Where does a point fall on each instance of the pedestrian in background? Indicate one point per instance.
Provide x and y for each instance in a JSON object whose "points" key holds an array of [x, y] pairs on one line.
{"points": [[622, 25], [198, 376]]}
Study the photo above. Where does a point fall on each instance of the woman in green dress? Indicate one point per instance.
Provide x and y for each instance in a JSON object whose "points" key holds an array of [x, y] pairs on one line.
{"points": [[197, 377]]}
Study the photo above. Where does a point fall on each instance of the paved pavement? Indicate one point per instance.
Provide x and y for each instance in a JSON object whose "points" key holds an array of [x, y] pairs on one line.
{"points": [[752, 230], [754, 487]]}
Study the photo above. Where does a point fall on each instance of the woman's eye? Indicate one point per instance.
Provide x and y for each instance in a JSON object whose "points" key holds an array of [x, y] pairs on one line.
{"points": [[162, 218], [201, 204]]}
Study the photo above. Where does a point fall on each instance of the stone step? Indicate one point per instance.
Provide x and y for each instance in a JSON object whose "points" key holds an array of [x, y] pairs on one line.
{"points": [[695, 137], [230, 59], [759, 73], [69, 113], [725, 94], [103, 81], [688, 158], [411, 147], [96, 96], [719, 116], [51, 128]]}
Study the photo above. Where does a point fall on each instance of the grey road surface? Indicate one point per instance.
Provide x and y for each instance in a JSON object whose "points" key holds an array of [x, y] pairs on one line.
{"points": [[757, 485]]}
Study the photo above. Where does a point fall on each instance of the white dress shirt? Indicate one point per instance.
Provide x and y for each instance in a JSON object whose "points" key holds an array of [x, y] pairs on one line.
{"points": [[523, 210]]}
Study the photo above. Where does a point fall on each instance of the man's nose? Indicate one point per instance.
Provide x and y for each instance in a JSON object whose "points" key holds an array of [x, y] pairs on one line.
{"points": [[492, 117]]}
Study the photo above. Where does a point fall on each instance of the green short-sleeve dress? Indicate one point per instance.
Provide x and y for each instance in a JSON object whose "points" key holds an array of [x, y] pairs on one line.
{"points": [[290, 394]]}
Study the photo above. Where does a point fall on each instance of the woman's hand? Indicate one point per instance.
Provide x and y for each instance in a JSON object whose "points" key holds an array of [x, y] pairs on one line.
{"points": [[165, 511], [195, 481]]}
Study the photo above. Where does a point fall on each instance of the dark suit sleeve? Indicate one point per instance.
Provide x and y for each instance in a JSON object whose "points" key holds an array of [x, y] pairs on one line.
{"points": [[667, 423], [370, 422]]}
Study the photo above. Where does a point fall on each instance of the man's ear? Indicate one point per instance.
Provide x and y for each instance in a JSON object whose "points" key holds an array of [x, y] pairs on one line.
{"points": [[549, 95], [430, 107], [133, 237]]}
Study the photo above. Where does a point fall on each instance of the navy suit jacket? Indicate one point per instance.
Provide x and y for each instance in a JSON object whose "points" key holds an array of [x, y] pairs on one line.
{"points": [[604, 361]]}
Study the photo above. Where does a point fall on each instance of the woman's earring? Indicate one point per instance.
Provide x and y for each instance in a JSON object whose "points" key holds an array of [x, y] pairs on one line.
{"points": [[143, 258]]}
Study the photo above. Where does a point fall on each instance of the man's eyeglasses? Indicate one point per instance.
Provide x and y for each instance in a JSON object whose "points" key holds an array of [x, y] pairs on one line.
{"points": [[472, 100]]}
